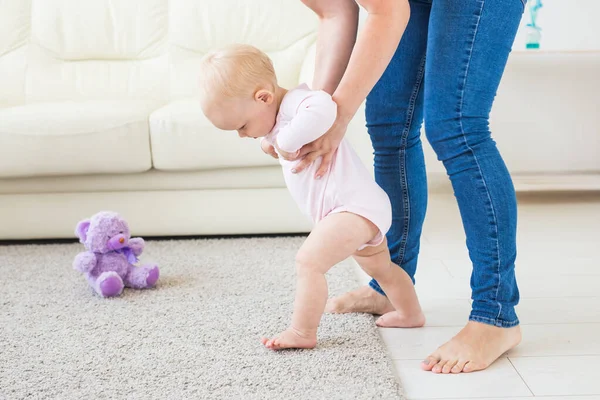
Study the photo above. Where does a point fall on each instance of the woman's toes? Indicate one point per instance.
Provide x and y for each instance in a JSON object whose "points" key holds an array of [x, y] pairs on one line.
{"points": [[428, 363], [458, 368], [437, 368], [472, 366], [448, 367], [468, 367]]}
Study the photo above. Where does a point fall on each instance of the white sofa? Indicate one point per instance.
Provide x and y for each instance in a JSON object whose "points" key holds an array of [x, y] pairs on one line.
{"points": [[98, 111]]}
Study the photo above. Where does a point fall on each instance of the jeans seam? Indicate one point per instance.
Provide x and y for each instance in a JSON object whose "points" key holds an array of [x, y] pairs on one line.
{"points": [[460, 108], [494, 321], [402, 160]]}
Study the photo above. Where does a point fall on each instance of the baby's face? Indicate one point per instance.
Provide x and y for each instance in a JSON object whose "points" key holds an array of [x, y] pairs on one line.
{"points": [[250, 117]]}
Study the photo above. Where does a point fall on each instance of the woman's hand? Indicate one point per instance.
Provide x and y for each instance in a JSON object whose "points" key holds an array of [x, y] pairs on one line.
{"points": [[268, 149], [324, 146]]}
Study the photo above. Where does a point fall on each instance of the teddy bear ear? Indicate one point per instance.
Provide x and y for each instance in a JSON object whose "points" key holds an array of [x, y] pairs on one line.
{"points": [[81, 230]]}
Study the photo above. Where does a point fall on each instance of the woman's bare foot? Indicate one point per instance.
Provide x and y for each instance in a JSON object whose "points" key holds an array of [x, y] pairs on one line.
{"points": [[290, 339], [361, 300], [474, 348], [395, 319]]}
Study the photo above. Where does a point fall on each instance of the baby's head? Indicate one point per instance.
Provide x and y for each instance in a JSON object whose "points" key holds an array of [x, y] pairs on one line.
{"points": [[238, 90]]}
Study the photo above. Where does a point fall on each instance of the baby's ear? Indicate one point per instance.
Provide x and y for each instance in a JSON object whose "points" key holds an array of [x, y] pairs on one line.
{"points": [[82, 229], [264, 96]]}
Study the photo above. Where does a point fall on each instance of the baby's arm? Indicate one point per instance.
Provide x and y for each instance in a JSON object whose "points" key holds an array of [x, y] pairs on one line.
{"points": [[316, 113]]}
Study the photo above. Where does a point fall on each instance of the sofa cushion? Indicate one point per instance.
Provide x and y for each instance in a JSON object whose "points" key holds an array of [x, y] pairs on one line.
{"points": [[15, 23], [183, 139], [97, 50], [75, 138], [100, 29], [283, 29], [149, 181]]}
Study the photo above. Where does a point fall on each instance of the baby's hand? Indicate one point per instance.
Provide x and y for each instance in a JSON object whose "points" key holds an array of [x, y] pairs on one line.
{"points": [[268, 148]]}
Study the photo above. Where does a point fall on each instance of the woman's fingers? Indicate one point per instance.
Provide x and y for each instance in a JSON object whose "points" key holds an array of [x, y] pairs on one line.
{"points": [[324, 165], [320, 148], [273, 153], [285, 155], [305, 163], [310, 148], [288, 156]]}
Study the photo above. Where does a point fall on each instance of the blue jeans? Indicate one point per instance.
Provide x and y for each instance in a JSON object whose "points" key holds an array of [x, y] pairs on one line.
{"points": [[446, 72]]}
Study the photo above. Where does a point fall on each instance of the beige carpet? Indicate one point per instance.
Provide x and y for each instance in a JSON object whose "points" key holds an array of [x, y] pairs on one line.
{"points": [[195, 336]]}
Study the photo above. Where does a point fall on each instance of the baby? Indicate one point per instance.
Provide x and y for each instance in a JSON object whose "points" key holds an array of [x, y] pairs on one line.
{"points": [[351, 213]]}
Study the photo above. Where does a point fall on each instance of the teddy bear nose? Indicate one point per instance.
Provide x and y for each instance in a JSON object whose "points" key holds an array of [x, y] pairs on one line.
{"points": [[121, 240]]}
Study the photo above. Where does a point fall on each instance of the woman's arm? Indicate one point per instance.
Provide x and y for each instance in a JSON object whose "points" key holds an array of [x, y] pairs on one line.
{"points": [[374, 49], [371, 55], [338, 23]]}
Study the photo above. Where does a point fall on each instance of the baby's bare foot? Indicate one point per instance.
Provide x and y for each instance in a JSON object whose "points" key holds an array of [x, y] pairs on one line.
{"points": [[361, 300], [474, 348], [395, 319], [290, 339]]}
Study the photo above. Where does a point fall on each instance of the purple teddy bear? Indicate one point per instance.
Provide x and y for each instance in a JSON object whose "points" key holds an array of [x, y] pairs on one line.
{"points": [[111, 253]]}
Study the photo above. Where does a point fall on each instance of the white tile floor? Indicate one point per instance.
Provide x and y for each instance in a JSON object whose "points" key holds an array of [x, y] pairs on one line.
{"points": [[558, 271]]}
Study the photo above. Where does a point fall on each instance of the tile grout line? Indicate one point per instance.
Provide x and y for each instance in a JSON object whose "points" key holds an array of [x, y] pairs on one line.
{"points": [[507, 357], [479, 397], [520, 376], [448, 269], [566, 397], [524, 298], [533, 324], [557, 356]]}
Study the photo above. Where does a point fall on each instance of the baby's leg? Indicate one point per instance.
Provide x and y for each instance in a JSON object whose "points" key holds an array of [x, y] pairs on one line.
{"points": [[333, 240], [397, 285]]}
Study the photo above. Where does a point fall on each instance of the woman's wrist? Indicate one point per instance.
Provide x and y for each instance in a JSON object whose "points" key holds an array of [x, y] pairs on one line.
{"points": [[344, 115]]}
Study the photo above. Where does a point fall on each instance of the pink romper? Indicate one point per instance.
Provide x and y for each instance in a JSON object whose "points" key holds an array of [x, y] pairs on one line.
{"points": [[304, 116]]}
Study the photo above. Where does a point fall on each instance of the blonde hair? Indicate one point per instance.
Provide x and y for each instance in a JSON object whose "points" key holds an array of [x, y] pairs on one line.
{"points": [[237, 71]]}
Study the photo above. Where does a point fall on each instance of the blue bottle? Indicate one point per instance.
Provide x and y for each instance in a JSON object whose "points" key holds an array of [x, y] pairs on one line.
{"points": [[534, 32]]}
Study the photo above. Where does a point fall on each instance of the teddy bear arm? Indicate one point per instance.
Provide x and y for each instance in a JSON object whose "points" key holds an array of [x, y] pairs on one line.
{"points": [[137, 245], [85, 261]]}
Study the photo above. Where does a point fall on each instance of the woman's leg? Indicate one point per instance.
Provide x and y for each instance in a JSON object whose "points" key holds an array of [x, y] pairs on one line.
{"points": [[394, 114], [468, 46]]}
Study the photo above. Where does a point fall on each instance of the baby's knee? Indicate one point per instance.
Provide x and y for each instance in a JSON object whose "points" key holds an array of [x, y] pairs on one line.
{"points": [[373, 251], [373, 261], [306, 262]]}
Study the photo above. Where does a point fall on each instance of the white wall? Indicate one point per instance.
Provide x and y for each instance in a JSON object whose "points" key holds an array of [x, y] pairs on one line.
{"points": [[566, 25], [546, 102]]}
